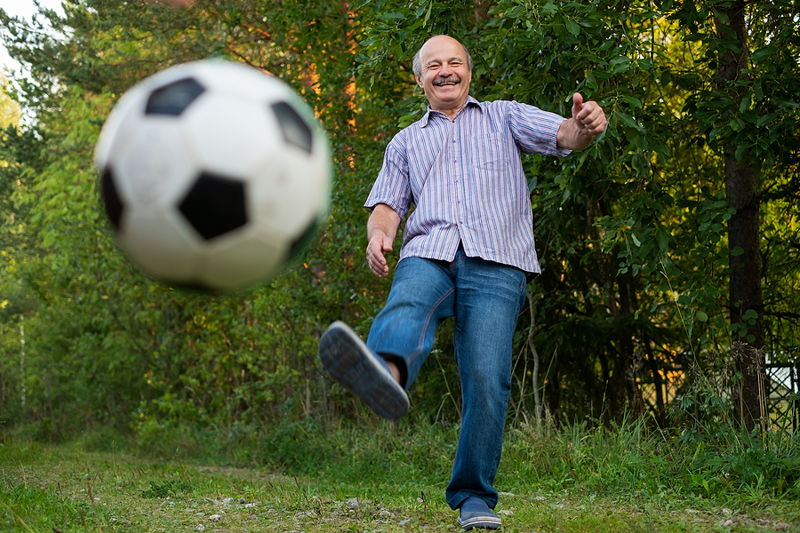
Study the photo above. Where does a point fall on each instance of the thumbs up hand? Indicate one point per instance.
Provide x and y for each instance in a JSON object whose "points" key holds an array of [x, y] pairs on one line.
{"points": [[589, 116], [587, 122]]}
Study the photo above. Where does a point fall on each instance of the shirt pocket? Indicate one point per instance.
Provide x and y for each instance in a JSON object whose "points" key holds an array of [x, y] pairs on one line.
{"points": [[488, 154]]}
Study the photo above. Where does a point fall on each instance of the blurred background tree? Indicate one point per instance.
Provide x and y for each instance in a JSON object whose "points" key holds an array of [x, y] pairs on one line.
{"points": [[637, 235]]}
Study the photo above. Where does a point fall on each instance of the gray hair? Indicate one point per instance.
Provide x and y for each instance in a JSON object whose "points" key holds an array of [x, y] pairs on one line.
{"points": [[416, 64]]}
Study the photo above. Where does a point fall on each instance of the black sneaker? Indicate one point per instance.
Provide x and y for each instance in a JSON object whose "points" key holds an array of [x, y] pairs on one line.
{"points": [[361, 371]]}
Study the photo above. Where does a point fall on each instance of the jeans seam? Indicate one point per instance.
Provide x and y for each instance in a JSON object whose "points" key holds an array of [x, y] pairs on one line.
{"points": [[426, 323]]}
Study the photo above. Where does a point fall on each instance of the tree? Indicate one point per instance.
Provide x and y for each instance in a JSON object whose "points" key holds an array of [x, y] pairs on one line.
{"points": [[751, 51], [632, 233], [741, 186]]}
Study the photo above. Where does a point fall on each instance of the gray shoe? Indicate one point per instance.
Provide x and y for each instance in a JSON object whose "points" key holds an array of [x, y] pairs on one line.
{"points": [[475, 514], [361, 371]]}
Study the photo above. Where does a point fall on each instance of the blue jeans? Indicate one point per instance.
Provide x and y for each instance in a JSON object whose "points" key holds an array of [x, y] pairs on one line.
{"points": [[485, 298]]}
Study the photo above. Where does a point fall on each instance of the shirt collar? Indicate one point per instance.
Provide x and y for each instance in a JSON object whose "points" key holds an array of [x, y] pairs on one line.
{"points": [[469, 103]]}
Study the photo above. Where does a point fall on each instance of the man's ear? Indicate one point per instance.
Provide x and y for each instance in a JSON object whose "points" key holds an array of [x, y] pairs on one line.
{"points": [[419, 81]]}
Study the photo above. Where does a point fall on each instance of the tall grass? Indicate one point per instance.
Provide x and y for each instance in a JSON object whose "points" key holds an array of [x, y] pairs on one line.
{"points": [[570, 478], [631, 458]]}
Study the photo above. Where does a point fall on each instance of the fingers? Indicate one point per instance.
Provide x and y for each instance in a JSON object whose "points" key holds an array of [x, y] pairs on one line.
{"points": [[577, 104], [591, 118], [589, 115], [375, 258]]}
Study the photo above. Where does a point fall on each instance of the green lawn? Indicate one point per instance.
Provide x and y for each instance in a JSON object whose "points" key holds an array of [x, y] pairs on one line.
{"points": [[45, 488]]}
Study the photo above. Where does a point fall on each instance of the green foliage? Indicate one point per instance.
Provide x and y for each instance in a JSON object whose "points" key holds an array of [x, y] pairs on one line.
{"points": [[746, 464], [630, 458], [9, 109], [632, 232]]}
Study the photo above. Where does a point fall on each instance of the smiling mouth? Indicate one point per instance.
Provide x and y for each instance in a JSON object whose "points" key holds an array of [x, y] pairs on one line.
{"points": [[450, 80]]}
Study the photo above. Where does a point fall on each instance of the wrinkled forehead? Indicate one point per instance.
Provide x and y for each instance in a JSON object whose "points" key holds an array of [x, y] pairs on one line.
{"points": [[442, 49]]}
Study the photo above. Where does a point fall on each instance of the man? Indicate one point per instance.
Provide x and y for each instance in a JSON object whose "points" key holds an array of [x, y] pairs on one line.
{"points": [[468, 249]]}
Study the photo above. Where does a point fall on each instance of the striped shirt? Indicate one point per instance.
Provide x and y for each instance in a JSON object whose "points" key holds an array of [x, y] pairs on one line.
{"points": [[464, 177]]}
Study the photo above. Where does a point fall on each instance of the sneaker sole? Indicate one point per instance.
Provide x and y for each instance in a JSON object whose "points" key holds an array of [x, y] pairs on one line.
{"points": [[482, 522], [345, 356]]}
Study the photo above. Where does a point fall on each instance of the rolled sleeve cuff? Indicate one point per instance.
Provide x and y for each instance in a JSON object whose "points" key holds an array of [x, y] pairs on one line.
{"points": [[396, 206], [560, 152]]}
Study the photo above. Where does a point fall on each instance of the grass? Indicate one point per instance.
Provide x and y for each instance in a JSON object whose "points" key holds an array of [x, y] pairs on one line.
{"points": [[391, 477]]}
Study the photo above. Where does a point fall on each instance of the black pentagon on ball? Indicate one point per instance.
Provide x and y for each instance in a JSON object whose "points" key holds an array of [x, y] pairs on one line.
{"points": [[173, 98], [215, 205], [111, 200], [294, 128]]}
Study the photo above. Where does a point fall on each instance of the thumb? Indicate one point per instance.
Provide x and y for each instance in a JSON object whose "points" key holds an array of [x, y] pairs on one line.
{"points": [[386, 245], [577, 103]]}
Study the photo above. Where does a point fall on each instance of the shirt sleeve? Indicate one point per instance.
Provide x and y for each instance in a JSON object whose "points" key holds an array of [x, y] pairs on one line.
{"points": [[392, 186], [535, 130]]}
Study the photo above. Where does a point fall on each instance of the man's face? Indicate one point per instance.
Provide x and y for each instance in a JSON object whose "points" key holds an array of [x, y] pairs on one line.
{"points": [[445, 75]]}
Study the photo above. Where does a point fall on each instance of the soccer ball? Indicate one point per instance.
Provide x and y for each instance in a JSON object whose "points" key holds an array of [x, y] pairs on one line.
{"points": [[213, 175]]}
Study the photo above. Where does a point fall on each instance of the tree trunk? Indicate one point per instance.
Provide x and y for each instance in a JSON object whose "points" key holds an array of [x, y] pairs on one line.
{"points": [[741, 185], [630, 356]]}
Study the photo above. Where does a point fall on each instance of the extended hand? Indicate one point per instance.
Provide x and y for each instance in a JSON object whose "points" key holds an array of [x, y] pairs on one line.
{"points": [[589, 117]]}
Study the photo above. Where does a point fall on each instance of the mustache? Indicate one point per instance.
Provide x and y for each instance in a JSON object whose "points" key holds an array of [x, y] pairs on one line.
{"points": [[446, 79]]}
